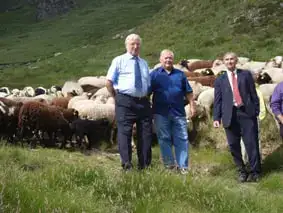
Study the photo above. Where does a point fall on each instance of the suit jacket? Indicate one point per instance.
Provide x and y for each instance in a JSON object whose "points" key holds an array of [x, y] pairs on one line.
{"points": [[223, 97]]}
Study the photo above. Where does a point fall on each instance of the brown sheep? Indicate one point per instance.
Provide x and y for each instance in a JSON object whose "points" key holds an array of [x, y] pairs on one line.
{"points": [[204, 80], [62, 101], [196, 64], [36, 116]]}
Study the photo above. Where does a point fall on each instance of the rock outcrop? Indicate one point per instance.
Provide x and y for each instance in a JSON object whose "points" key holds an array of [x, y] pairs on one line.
{"points": [[50, 8]]}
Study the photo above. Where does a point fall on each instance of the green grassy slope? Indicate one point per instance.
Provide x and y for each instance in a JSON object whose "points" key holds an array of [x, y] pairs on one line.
{"points": [[47, 180], [192, 28]]}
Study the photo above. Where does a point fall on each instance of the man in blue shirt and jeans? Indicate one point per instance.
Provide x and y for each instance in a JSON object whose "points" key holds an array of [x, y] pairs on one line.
{"points": [[169, 87]]}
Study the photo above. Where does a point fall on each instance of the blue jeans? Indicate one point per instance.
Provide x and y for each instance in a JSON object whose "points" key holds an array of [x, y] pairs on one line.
{"points": [[172, 130]]}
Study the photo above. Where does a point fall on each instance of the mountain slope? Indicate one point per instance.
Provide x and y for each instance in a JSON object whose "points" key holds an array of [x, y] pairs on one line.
{"points": [[191, 28]]}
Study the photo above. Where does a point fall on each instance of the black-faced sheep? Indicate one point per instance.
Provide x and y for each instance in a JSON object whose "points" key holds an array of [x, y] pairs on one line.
{"points": [[89, 132]]}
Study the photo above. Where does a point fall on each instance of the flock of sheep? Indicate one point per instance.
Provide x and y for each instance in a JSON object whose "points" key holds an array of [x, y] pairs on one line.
{"points": [[84, 109]]}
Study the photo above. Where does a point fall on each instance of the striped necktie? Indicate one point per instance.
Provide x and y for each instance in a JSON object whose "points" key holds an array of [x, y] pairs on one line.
{"points": [[138, 78]]}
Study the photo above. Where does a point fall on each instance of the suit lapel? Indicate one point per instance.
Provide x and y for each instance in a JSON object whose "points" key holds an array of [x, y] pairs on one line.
{"points": [[226, 83], [239, 77]]}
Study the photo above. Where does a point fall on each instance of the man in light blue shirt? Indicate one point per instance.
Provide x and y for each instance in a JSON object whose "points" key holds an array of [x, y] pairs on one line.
{"points": [[128, 81]]}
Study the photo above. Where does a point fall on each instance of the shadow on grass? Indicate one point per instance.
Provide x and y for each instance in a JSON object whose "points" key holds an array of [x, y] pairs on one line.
{"points": [[274, 161]]}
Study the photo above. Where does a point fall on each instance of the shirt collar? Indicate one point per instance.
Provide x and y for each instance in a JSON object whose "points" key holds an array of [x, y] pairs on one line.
{"points": [[235, 71], [130, 56], [161, 69]]}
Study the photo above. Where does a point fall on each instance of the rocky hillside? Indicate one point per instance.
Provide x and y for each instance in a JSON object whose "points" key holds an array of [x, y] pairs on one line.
{"points": [[43, 9], [83, 41]]}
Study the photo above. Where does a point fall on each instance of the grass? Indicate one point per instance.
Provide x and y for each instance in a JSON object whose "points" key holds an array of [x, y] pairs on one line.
{"points": [[50, 180], [47, 180]]}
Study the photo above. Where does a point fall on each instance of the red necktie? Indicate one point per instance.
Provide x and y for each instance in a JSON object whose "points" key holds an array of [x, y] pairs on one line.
{"points": [[236, 92]]}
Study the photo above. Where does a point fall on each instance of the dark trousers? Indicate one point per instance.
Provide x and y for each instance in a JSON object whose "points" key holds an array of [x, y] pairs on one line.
{"points": [[246, 127], [281, 130], [130, 110]]}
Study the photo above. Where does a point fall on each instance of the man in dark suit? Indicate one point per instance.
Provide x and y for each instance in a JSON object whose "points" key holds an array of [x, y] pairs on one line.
{"points": [[236, 103]]}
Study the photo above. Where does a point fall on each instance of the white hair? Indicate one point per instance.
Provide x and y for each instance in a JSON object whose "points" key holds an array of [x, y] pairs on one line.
{"points": [[231, 54], [132, 37], [166, 51]]}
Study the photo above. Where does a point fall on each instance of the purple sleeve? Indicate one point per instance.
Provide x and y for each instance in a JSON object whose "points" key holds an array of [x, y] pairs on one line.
{"points": [[275, 102]]}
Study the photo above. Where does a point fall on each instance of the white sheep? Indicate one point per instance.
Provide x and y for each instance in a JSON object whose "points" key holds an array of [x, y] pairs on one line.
{"points": [[3, 94], [277, 61], [89, 110], [197, 88], [243, 60], [200, 111], [254, 66], [93, 81], [28, 91], [110, 100], [267, 90], [276, 74], [218, 69], [5, 90], [206, 99], [75, 99], [15, 92], [72, 87], [101, 92], [101, 99]]}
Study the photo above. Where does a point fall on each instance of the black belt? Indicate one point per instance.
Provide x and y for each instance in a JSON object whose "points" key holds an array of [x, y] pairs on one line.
{"points": [[133, 97]]}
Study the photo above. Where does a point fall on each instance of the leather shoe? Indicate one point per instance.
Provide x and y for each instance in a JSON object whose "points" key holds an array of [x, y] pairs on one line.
{"points": [[243, 177], [127, 166], [254, 177]]}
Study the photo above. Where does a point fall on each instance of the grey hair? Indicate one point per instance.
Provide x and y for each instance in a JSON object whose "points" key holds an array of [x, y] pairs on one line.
{"points": [[132, 37], [232, 54], [166, 51]]}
